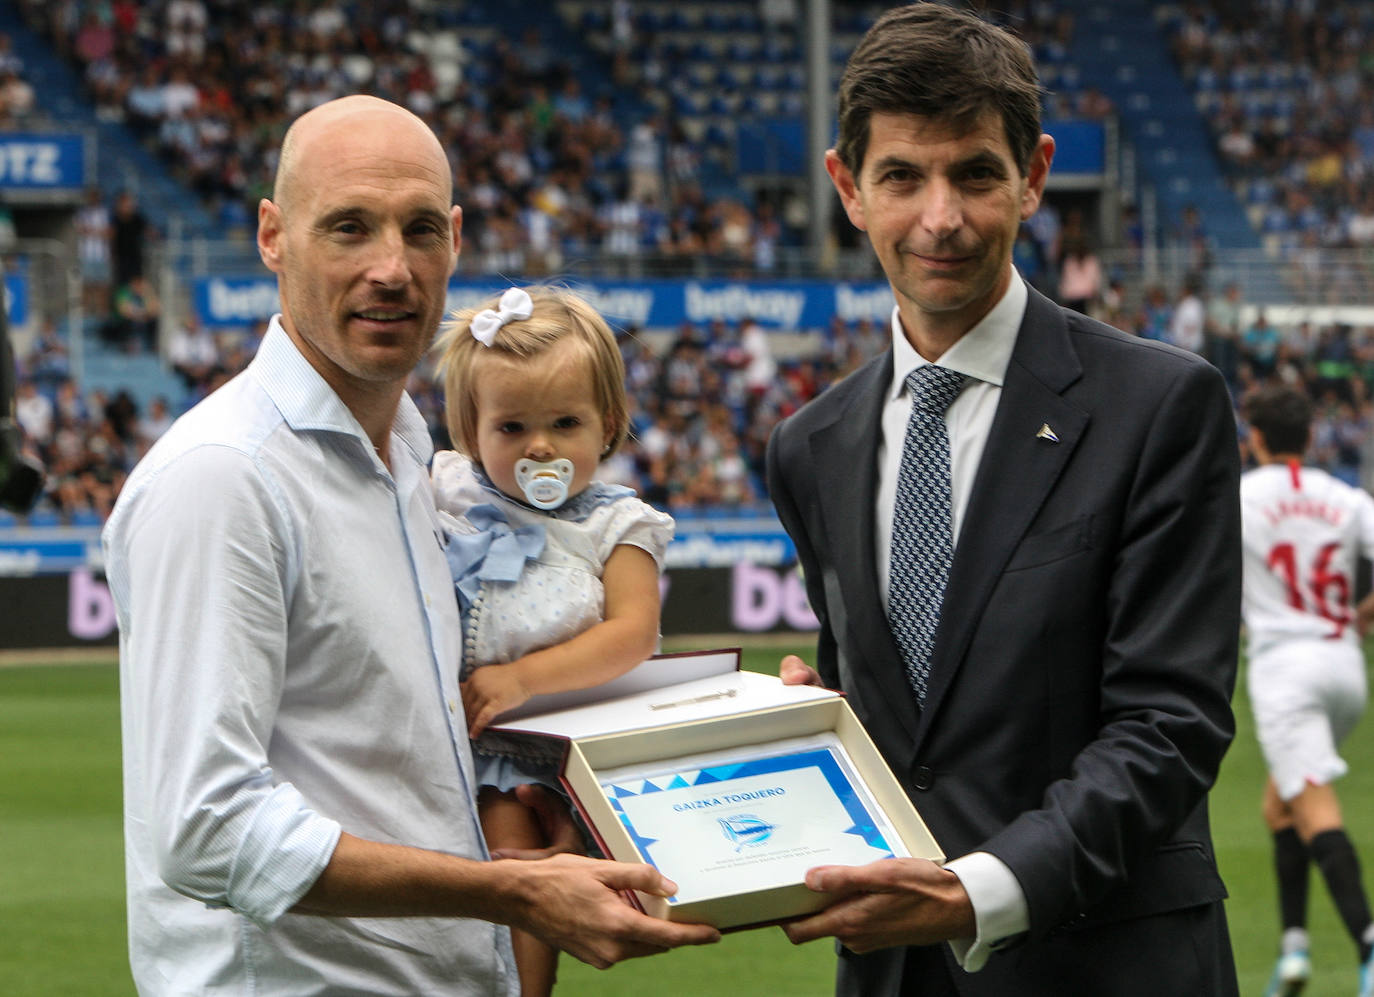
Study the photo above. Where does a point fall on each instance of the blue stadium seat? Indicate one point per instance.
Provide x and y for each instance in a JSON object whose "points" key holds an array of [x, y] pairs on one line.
{"points": [[43, 518], [85, 517]]}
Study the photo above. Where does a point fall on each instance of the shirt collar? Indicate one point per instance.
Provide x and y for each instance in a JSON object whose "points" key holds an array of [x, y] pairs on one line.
{"points": [[307, 402], [983, 353]]}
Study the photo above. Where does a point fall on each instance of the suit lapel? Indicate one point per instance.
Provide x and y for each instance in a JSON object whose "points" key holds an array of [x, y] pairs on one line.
{"points": [[849, 444], [1018, 469]]}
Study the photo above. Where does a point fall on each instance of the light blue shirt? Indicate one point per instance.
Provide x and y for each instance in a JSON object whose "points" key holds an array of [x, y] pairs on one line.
{"points": [[289, 655]]}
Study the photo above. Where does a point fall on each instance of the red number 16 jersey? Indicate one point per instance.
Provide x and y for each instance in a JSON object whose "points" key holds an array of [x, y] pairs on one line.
{"points": [[1304, 532]]}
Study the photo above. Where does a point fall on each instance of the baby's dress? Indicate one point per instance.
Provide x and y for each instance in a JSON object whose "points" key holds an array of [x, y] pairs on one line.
{"points": [[529, 578]]}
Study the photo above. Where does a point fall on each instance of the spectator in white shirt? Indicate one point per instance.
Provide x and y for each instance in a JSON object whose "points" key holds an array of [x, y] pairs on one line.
{"points": [[1189, 319]]}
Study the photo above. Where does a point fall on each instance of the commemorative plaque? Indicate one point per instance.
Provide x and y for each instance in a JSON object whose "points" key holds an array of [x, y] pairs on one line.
{"points": [[730, 783]]}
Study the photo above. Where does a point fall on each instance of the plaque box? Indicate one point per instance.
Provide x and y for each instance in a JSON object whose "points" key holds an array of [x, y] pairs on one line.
{"points": [[680, 706]]}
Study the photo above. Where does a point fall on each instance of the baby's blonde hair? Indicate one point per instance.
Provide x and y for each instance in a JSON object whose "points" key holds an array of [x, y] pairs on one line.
{"points": [[557, 315]]}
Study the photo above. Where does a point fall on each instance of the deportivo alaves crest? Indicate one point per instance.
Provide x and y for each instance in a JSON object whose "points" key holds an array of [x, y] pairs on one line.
{"points": [[745, 830]]}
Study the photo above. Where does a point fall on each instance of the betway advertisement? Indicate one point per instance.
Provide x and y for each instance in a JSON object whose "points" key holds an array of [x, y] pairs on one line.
{"points": [[650, 304]]}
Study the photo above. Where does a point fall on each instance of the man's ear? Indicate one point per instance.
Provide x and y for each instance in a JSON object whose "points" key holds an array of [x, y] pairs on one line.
{"points": [[456, 216], [1037, 175], [847, 187], [269, 235]]}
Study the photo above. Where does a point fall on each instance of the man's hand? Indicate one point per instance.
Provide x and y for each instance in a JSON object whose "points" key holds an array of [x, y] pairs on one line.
{"points": [[488, 693], [572, 902], [885, 903], [575, 904], [794, 671], [556, 823]]}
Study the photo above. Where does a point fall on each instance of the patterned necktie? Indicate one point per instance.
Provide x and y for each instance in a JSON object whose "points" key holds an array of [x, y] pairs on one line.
{"points": [[922, 538]]}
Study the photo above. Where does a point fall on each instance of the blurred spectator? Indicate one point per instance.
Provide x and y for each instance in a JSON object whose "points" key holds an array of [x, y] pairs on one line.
{"points": [[1046, 227], [1260, 346], [1189, 316], [766, 237], [1028, 256], [644, 158], [1191, 236], [137, 312], [34, 412], [1156, 313], [10, 60], [129, 233], [186, 22], [760, 368], [1333, 363], [47, 363], [69, 403], [152, 424], [193, 354], [16, 99], [1080, 276], [733, 479], [778, 15], [93, 235], [1223, 333]]}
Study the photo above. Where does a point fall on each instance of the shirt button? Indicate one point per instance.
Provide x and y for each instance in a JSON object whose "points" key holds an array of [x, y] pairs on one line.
{"points": [[922, 777], [452, 706]]}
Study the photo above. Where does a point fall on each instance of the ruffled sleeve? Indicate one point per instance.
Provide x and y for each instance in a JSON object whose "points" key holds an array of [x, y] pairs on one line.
{"points": [[638, 524]]}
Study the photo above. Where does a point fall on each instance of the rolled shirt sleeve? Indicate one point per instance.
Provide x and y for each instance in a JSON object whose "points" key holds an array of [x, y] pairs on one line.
{"points": [[208, 561]]}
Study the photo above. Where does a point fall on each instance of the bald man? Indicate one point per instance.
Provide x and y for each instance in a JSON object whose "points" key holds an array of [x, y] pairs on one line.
{"points": [[298, 789]]}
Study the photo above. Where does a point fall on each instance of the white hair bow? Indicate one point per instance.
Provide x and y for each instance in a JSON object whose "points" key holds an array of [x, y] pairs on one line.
{"points": [[514, 305]]}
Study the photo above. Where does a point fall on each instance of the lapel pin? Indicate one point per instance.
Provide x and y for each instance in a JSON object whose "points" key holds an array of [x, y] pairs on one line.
{"points": [[1046, 433]]}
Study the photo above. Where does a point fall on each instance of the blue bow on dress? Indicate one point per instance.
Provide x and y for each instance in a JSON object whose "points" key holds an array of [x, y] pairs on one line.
{"points": [[495, 553]]}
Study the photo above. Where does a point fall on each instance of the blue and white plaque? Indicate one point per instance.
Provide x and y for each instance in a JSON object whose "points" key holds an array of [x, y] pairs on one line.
{"points": [[752, 818]]}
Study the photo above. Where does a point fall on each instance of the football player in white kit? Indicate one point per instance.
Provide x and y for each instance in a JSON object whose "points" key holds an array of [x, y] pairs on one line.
{"points": [[1304, 532]]}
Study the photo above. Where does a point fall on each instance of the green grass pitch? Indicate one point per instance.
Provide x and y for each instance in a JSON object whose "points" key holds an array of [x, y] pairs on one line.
{"points": [[61, 874]]}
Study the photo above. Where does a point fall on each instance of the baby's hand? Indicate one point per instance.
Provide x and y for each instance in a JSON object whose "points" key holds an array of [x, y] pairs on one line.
{"points": [[488, 693]]}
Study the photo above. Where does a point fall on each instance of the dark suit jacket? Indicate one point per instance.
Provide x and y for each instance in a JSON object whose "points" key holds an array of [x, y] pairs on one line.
{"points": [[1079, 698]]}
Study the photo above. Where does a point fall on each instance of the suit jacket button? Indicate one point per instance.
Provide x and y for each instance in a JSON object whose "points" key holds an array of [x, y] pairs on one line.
{"points": [[922, 777]]}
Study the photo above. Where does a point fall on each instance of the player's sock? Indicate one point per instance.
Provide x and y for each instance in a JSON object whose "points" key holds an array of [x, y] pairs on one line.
{"points": [[1335, 857], [1290, 865], [1293, 940]]}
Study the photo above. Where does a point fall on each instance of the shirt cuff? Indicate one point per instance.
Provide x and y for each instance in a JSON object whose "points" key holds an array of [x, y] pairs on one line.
{"points": [[286, 848], [999, 907]]}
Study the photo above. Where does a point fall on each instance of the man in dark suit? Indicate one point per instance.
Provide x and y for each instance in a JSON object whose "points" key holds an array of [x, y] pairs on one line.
{"points": [[1062, 724]]}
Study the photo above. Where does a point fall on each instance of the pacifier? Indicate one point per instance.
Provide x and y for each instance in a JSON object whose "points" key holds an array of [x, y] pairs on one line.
{"points": [[545, 484]]}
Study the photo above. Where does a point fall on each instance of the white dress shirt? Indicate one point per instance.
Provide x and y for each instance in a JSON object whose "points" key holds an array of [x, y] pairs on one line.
{"points": [[983, 353], [289, 653]]}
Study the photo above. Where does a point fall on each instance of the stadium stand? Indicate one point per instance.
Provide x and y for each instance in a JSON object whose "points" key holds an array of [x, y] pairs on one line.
{"points": [[666, 139], [1286, 93]]}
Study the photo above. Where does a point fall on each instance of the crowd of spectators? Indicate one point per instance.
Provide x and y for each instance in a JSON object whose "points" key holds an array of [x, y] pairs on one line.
{"points": [[702, 409], [557, 162], [612, 152], [552, 173], [704, 403], [1288, 89]]}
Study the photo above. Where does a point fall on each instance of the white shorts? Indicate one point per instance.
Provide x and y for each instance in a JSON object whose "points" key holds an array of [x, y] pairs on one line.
{"points": [[1306, 696]]}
